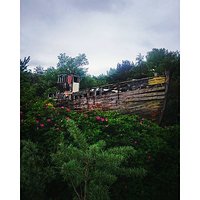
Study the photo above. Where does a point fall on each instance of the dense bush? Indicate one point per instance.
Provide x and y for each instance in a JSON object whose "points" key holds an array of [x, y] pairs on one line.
{"points": [[48, 131]]}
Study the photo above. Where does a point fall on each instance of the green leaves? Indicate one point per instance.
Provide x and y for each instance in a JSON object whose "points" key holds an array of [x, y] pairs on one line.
{"points": [[82, 163], [71, 65], [73, 171], [162, 60], [89, 158], [33, 176], [24, 64]]}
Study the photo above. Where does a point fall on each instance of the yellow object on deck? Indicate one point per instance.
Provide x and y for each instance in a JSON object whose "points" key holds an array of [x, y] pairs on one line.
{"points": [[156, 80]]}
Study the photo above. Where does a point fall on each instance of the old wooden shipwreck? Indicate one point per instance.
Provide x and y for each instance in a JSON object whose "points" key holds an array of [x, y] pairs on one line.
{"points": [[145, 97]]}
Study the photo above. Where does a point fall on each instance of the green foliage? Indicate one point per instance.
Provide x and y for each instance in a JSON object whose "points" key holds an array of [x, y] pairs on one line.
{"points": [[24, 64], [91, 168], [162, 60], [71, 65], [88, 82], [33, 176], [35, 86], [121, 73], [39, 70], [141, 69], [115, 150], [93, 81]]}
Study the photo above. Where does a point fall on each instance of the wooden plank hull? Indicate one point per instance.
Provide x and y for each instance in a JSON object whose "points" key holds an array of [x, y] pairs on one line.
{"points": [[145, 97]]}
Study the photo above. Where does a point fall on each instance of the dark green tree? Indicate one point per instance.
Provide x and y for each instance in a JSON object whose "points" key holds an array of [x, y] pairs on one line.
{"points": [[102, 79], [162, 60], [32, 174], [93, 81], [91, 169], [121, 73], [72, 65], [140, 70], [39, 70], [24, 63], [88, 82]]}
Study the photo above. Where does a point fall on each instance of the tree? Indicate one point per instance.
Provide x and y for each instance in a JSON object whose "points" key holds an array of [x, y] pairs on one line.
{"points": [[139, 59], [111, 74], [32, 174], [27, 91], [162, 60], [23, 64], [93, 81], [121, 73], [141, 69], [71, 65], [88, 82], [39, 70], [91, 168], [102, 79]]}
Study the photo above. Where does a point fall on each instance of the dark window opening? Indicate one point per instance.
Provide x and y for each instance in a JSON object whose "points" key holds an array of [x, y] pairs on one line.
{"points": [[76, 79]]}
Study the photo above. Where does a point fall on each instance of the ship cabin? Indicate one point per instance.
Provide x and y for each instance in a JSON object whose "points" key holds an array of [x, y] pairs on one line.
{"points": [[68, 83]]}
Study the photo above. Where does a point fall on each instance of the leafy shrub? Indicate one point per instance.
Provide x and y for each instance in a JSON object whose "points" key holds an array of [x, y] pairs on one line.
{"points": [[53, 139]]}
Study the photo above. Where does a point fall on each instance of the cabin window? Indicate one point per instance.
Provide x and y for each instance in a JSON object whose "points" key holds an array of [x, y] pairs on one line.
{"points": [[76, 79]]}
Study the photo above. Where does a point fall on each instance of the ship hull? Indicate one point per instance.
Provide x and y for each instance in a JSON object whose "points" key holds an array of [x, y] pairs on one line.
{"points": [[145, 97]]}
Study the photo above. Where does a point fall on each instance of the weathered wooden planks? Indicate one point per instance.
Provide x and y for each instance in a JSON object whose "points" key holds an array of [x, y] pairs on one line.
{"points": [[145, 97]]}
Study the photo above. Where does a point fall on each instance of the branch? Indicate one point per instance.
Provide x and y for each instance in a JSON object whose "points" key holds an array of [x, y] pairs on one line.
{"points": [[75, 189], [86, 181]]}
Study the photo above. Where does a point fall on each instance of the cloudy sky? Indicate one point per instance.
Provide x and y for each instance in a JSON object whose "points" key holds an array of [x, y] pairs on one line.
{"points": [[107, 31]]}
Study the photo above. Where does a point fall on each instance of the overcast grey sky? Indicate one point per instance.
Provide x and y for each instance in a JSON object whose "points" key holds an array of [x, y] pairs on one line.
{"points": [[107, 31]]}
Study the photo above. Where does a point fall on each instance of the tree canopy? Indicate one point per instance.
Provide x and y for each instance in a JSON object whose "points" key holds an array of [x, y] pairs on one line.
{"points": [[24, 63], [72, 65], [162, 60]]}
